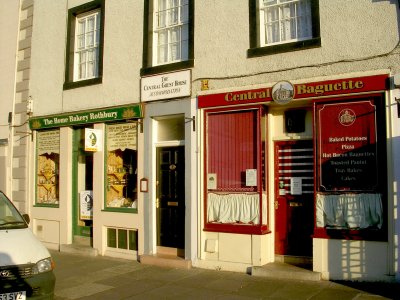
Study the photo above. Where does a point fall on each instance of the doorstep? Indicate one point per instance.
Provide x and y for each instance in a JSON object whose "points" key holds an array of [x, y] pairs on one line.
{"points": [[165, 260], [79, 249], [280, 270]]}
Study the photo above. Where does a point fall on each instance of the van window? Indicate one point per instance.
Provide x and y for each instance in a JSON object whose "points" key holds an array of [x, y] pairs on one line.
{"points": [[10, 218]]}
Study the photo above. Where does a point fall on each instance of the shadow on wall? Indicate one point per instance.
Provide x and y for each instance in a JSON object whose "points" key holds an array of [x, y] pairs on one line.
{"points": [[356, 261]]}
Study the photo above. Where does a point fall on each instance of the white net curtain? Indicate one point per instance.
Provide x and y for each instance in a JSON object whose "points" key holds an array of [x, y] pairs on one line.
{"points": [[349, 211], [242, 208]]}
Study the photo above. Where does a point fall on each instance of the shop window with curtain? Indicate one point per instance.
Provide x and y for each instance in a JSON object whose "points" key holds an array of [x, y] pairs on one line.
{"points": [[235, 171], [351, 169], [121, 167], [47, 167]]}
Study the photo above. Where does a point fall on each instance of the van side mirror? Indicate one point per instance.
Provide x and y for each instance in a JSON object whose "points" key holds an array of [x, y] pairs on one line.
{"points": [[27, 218]]}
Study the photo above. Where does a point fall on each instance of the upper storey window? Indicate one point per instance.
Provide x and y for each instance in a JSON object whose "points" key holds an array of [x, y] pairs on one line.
{"points": [[87, 42], [168, 39], [85, 45], [171, 31], [284, 21], [283, 25]]}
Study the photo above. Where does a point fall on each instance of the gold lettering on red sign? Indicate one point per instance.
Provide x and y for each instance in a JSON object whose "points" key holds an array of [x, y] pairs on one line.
{"points": [[231, 97], [329, 87]]}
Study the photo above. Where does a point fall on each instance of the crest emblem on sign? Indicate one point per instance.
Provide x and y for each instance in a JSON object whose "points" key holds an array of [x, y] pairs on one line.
{"points": [[283, 92], [347, 117]]}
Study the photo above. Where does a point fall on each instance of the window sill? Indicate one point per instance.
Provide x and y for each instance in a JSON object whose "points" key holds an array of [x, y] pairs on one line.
{"points": [[167, 68], [345, 234], [46, 205], [121, 210], [77, 84], [282, 48], [237, 228]]}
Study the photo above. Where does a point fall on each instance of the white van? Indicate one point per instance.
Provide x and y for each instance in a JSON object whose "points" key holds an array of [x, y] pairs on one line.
{"points": [[26, 267]]}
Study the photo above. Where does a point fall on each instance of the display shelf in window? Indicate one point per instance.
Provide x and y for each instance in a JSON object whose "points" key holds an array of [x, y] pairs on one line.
{"points": [[47, 180], [120, 192]]}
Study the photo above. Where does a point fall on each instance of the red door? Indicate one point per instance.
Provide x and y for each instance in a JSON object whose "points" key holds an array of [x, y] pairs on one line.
{"points": [[294, 190]]}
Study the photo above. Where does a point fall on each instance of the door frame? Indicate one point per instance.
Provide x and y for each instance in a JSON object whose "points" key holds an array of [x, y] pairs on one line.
{"points": [[77, 230], [276, 145]]}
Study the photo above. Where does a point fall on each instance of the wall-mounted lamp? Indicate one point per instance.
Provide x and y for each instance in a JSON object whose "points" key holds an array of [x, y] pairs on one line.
{"points": [[193, 119], [29, 106]]}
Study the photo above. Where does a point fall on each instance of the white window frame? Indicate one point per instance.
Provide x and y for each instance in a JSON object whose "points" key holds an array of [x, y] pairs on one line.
{"points": [[179, 24], [268, 5], [82, 53]]}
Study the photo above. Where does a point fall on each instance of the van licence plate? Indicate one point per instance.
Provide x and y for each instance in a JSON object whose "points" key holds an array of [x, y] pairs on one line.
{"points": [[13, 296]]}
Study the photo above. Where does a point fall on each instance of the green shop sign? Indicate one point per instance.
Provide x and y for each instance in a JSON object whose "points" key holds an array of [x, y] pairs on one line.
{"points": [[87, 117]]}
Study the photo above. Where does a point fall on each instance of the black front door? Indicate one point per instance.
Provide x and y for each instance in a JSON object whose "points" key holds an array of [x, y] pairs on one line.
{"points": [[171, 197]]}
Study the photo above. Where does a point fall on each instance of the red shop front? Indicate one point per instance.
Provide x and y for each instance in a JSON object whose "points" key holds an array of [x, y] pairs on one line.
{"points": [[289, 165]]}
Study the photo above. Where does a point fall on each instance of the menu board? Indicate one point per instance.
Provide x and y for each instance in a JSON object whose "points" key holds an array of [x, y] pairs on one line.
{"points": [[48, 142], [121, 136], [346, 145]]}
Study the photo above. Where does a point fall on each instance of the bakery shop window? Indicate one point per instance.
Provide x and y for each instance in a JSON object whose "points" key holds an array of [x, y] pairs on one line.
{"points": [[47, 167], [121, 167]]}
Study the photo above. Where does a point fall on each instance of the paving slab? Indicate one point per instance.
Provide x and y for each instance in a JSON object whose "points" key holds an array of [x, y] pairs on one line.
{"points": [[88, 277]]}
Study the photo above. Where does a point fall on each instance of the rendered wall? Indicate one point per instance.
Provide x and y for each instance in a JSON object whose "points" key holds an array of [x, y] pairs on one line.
{"points": [[234, 252], [9, 21], [121, 64]]}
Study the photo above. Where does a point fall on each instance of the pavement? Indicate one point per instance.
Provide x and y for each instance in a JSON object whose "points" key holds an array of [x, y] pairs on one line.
{"points": [[87, 277]]}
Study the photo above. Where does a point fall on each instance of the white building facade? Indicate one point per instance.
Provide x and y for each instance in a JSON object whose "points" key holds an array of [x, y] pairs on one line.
{"points": [[229, 134]]}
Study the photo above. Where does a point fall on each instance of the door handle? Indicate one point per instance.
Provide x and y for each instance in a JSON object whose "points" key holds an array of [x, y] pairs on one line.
{"points": [[276, 204], [157, 203], [295, 204]]}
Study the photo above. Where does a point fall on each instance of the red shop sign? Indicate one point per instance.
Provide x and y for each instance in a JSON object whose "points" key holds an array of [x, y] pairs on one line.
{"points": [[326, 88], [346, 145]]}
